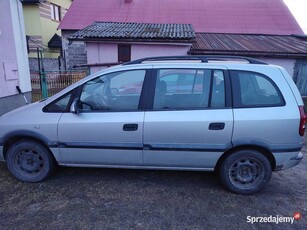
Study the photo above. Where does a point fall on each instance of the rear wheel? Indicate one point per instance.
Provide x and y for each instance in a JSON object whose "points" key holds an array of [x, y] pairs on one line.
{"points": [[245, 171], [30, 161]]}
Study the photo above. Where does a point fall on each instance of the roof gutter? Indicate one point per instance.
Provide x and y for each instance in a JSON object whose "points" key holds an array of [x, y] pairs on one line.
{"points": [[249, 53], [134, 40], [106, 64]]}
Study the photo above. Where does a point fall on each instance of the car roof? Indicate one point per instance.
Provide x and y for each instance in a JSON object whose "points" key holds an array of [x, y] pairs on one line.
{"points": [[200, 58], [202, 61]]}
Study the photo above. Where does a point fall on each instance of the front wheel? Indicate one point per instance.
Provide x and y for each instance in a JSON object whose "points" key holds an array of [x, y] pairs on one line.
{"points": [[245, 171], [29, 161]]}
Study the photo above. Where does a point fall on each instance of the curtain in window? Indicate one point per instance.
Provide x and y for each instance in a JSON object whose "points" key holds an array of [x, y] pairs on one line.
{"points": [[300, 76]]}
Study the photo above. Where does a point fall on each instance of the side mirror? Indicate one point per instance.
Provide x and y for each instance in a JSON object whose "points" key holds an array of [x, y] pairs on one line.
{"points": [[114, 91], [74, 107]]}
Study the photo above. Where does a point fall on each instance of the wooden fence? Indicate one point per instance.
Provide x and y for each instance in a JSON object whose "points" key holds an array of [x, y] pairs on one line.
{"points": [[56, 81]]}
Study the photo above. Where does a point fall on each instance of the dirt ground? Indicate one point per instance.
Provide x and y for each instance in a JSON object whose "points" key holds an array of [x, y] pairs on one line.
{"points": [[79, 198]]}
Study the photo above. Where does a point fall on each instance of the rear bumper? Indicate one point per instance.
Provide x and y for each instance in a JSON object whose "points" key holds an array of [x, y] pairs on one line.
{"points": [[287, 159]]}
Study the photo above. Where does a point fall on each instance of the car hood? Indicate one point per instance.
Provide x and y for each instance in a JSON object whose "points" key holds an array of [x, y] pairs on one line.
{"points": [[23, 111]]}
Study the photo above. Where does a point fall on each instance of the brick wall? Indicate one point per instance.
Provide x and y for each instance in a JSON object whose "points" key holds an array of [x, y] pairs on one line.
{"points": [[75, 52]]}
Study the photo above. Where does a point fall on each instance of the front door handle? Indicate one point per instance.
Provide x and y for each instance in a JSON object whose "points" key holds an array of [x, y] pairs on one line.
{"points": [[217, 126], [130, 127]]}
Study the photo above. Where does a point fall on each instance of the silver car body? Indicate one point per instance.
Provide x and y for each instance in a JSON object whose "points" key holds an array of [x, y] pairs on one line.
{"points": [[171, 139]]}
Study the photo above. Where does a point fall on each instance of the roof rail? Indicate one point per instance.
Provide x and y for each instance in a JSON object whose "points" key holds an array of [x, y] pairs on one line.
{"points": [[202, 58]]}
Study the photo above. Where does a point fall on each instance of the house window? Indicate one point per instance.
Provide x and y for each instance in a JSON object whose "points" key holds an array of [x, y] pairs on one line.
{"points": [[55, 11], [124, 53], [300, 76]]}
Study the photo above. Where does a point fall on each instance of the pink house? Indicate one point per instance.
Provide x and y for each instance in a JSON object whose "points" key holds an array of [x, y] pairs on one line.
{"points": [[264, 29], [206, 16], [14, 67], [112, 42]]}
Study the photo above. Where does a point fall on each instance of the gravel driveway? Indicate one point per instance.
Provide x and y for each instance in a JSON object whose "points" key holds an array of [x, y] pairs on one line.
{"points": [[79, 198]]}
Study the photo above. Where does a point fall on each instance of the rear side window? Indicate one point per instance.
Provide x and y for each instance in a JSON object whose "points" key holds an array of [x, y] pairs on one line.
{"points": [[184, 89], [254, 90]]}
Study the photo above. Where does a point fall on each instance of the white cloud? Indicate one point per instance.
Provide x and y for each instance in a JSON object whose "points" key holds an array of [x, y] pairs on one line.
{"points": [[299, 10]]}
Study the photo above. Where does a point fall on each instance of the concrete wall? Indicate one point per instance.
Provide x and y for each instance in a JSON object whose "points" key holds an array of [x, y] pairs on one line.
{"points": [[14, 67], [151, 50], [12, 102], [287, 64], [108, 52], [50, 64]]}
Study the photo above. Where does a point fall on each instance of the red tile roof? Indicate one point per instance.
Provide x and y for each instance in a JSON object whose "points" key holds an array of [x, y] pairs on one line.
{"points": [[215, 16], [250, 44]]}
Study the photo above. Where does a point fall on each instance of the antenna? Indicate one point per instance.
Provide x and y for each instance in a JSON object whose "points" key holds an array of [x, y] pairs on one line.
{"points": [[20, 92]]}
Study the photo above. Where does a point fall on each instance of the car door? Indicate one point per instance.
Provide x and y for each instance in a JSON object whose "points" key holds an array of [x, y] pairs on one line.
{"points": [[107, 126], [189, 121]]}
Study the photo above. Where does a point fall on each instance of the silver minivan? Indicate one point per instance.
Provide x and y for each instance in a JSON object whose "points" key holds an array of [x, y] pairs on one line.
{"points": [[238, 116]]}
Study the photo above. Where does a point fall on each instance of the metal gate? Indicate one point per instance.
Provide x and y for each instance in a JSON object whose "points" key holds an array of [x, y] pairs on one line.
{"points": [[47, 83]]}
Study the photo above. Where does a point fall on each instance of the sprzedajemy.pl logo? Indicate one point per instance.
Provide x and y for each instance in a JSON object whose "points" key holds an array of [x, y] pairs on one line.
{"points": [[273, 219]]}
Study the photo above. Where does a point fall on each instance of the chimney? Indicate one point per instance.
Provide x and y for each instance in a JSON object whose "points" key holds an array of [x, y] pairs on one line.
{"points": [[127, 1]]}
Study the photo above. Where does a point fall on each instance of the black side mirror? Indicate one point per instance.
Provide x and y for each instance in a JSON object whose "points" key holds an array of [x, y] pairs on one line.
{"points": [[74, 108]]}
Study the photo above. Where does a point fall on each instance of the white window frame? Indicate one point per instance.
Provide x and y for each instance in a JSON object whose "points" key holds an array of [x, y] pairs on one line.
{"points": [[55, 12]]}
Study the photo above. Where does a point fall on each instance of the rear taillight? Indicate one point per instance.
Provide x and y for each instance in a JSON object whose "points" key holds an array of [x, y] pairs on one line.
{"points": [[302, 120]]}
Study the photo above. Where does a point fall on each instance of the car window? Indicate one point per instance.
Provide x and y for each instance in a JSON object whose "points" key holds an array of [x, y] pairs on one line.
{"points": [[189, 89], [255, 90], [59, 105], [115, 91], [218, 89]]}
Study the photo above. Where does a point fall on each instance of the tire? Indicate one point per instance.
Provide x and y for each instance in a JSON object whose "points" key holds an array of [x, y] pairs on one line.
{"points": [[245, 172], [30, 161]]}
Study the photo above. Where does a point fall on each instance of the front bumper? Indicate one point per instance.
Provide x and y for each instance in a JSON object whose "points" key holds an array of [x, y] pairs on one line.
{"points": [[287, 160]]}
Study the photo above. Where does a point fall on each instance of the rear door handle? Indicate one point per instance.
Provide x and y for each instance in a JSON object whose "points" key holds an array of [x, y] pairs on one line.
{"points": [[217, 126], [130, 127]]}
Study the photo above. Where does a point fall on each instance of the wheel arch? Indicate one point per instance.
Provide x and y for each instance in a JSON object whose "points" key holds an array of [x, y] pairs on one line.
{"points": [[16, 136], [267, 153]]}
